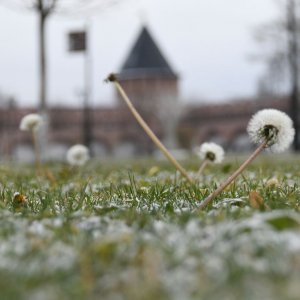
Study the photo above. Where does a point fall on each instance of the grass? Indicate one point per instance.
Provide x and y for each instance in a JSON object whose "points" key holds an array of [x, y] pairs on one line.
{"points": [[131, 230]]}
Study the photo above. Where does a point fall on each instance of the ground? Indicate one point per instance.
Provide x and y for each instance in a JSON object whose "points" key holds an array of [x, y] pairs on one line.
{"points": [[132, 230]]}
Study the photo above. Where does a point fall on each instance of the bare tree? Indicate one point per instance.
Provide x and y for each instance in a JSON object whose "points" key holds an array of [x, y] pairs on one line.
{"points": [[293, 59], [282, 57], [44, 9]]}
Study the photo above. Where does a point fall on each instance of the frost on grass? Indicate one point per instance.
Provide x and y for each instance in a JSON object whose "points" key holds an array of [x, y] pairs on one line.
{"points": [[119, 236], [181, 260]]}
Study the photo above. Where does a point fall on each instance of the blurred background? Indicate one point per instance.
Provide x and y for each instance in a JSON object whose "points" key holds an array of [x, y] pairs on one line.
{"points": [[196, 71]]}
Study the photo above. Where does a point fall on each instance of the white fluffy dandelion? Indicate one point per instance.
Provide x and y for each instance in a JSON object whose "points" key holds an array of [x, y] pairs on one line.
{"points": [[273, 126], [211, 152], [78, 155], [270, 128], [31, 122]]}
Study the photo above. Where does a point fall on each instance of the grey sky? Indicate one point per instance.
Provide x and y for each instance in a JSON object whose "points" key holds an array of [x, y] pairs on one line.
{"points": [[206, 41]]}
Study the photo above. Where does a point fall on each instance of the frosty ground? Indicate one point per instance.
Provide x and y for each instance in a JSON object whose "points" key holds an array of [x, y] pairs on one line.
{"points": [[132, 230]]}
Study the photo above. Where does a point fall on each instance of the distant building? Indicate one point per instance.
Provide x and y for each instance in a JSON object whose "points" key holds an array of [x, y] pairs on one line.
{"points": [[146, 75], [152, 85], [224, 123]]}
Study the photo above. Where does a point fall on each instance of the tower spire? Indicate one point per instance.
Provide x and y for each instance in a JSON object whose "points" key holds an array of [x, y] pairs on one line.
{"points": [[145, 59]]}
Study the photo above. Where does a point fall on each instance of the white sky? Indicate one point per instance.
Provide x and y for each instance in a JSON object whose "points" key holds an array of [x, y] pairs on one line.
{"points": [[208, 42]]}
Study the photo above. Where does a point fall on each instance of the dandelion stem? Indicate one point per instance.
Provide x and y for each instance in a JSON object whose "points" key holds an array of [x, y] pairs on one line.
{"points": [[150, 133], [225, 183], [202, 167], [36, 150]]}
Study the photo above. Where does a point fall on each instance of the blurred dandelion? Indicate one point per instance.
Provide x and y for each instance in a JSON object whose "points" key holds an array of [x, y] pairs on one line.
{"points": [[272, 182], [19, 200], [270, 128], [210, 153], [78, 155], [32, 123]]}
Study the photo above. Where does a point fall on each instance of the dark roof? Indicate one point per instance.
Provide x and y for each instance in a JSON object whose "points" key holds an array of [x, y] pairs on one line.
{"points": [[145, 60]]}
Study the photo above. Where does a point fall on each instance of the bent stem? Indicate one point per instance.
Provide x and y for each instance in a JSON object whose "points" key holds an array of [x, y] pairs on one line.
{"points": [[225, 183], [149, 132], [202, 167]]}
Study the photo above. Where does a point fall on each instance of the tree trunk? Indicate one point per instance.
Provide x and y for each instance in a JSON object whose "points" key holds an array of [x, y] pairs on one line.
{"points": [[42, 66], [293, 52], [43, 133]]}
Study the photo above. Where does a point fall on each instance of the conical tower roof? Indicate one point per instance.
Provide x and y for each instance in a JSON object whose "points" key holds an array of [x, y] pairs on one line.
{"points": [[146, 60]]}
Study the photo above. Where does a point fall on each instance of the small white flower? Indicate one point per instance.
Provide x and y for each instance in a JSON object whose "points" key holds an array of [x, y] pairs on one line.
{"points": [[272, 125], [78, 155], [31, 122], [272, 182], [211, 152]]}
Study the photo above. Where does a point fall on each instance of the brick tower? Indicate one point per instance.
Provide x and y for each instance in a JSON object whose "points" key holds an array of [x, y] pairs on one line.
{"points": [[147, 77]]}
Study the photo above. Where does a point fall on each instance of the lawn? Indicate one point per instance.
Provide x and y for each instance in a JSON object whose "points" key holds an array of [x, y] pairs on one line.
{"points": [[131, 230]]}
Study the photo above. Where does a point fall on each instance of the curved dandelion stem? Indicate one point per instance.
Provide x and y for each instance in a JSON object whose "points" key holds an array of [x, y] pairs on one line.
{"points": [[149, 132], [202, 167], [225, 183]]}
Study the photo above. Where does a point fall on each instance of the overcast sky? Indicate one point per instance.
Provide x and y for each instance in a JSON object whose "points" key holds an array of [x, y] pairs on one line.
{"points": [[208, 42]]}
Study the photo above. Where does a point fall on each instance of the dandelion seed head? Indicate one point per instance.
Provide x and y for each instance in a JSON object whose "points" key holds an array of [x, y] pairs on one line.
{"points": [[272, 182], [31, 122], [212, 152], [274, 126], [19, 198], [78, 155]]}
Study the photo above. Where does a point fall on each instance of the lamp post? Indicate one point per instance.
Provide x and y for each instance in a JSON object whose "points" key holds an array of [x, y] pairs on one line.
{"points": [[79, 42]]}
